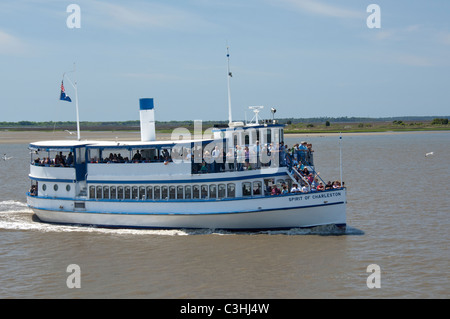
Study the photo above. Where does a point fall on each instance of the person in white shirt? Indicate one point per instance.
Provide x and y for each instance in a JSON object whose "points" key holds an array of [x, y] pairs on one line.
{"points": [[295, 189]]}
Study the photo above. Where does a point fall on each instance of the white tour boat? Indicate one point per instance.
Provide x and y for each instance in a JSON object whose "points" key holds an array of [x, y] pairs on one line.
{"points": [[196, 183], [230, 180]]}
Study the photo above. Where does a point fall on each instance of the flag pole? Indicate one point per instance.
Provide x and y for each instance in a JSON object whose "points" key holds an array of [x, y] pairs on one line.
{"points": [[229, 90], [76, 101]]}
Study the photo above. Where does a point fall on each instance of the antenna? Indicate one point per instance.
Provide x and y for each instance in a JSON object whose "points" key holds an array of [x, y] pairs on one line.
{"points": [[256, 110], [229, 75]]}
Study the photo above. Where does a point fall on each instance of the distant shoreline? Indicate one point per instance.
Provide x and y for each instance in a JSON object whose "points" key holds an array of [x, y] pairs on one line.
{"points": [[26, 137]]}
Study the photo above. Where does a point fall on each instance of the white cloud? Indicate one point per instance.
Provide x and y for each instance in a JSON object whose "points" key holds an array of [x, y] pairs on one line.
{"points": [[444, 38], [145, 15], [413, 60], [323, 9], [10, 44]]}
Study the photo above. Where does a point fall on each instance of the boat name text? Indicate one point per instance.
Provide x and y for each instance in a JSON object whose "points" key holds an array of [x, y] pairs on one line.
{"points": [[315, 196]]}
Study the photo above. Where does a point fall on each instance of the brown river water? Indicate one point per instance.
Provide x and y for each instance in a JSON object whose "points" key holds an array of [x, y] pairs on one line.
{"points": [[398, 217]]}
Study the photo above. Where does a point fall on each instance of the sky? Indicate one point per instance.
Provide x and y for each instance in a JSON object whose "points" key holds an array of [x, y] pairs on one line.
{"points": [[306, 58]]}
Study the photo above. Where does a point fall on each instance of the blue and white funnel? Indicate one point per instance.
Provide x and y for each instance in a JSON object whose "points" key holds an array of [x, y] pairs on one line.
{"points": [[147, 117]]}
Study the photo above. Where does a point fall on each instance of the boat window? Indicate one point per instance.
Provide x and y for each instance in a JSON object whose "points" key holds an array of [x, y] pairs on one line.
{"points": [[55, 187], [120, 155], [134, 192], [165, 154], [187, 192], [180, 192], [149, 192], [196, 191], [99, 192], [141, 192], [80, 155], [235, 139], [276, 135], [164, 192], [269, 136], [94, 155], [247, 139], [257, 187], [212, 191], [106, 192], [246, 189], [221, 190], [120, 192], [149, 155], [91, 191], [171, 192], [44, 187], [113, 191], [68, 187], [127, 191], [204, 191], [231, 190], [157, 191]]}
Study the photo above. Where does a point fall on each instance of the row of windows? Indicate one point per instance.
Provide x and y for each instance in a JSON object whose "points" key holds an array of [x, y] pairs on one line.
{"points": [[158, 192], [55, 187]]}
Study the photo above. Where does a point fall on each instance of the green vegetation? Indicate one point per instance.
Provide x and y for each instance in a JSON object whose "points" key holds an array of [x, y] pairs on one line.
{"points": [[438, 121], [305, 125]]}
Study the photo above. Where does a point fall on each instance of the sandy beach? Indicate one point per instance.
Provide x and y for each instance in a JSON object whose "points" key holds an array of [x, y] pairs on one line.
{"points": [[26, 137]]}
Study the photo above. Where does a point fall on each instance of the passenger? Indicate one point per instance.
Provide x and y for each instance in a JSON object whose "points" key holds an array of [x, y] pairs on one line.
{"points": [[137, 157], [69, 161], [275, 190], [215, 154], [240, 157], [302, 150], [33, 190], [285, 190], [336, 185], [315, 183], [320, 187], [62, 159], [247, 157], [230, 159], [305, 189], [305, 172], [309, 155], [328, 186], [295, 188], [204, 168]]}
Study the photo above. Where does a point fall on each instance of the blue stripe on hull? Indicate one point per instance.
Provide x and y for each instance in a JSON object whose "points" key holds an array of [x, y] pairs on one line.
{"points": [[341, 227]]}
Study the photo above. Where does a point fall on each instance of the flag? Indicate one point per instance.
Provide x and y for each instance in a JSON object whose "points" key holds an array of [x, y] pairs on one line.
{"points": [[63, 96]]}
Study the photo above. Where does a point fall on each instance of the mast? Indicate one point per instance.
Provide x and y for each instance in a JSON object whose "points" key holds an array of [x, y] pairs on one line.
{"points": [[229, 75], [74, 84]]}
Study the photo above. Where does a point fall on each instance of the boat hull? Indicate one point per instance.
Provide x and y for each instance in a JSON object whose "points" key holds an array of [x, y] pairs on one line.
{"points": [[280, 212]]}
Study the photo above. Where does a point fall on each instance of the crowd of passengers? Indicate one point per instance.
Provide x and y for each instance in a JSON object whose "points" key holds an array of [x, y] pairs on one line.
{"points": [[315, 186], [242, 158], [236, 159], [60, 160]]}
